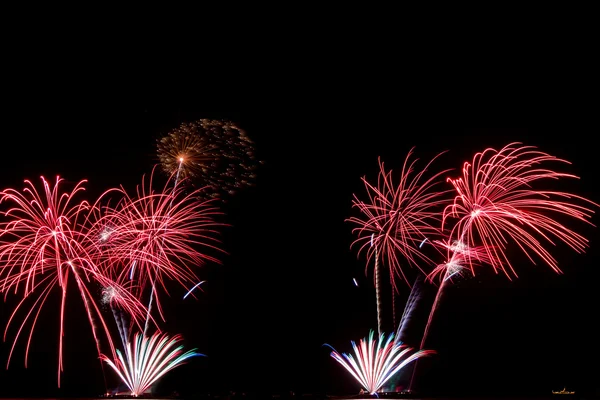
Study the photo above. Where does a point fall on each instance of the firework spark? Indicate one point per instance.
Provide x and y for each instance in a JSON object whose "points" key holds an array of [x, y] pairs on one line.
{"points": [[396, 218], [146, 360], [460, 258], [377, 360], [217, 154]]}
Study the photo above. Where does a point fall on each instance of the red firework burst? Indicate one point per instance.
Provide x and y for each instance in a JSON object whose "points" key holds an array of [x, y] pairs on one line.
{"points": [[43, 246], [399, 215], [496, 203], [156, 235]]}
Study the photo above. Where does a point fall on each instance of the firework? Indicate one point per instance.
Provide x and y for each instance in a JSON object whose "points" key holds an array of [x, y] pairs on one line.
{"points": [[43, 246], [396, 219], [157, 235], [398, 215], [377, 360], [217, 154], [146, 360], [496, 203]]}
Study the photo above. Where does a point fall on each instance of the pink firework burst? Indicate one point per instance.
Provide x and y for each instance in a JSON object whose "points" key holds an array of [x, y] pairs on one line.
{"points": [[157, 235], [43, 246], [496, 203], [399, 215]]}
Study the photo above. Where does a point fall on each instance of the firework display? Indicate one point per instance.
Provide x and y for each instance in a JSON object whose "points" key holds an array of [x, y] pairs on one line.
{"points": [[213, 153], [122, 250], [49, 238], [126, 252], [155, 236], [496, 204], [377, 360]]}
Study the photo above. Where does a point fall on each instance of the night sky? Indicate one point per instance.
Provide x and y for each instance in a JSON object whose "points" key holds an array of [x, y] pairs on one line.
{"points": [[286, 286]]}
